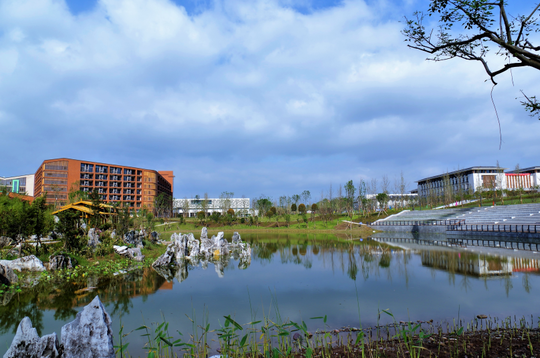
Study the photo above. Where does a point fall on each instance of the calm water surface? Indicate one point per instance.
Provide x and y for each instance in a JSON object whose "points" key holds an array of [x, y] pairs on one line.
{"points": [[307, 276]]}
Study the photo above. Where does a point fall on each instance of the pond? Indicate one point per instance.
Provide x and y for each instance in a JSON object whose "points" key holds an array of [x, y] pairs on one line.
{"points": [[299, 277]]}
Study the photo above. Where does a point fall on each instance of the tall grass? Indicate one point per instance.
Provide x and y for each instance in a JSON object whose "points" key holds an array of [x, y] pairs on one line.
{"points": [[273, 337]]}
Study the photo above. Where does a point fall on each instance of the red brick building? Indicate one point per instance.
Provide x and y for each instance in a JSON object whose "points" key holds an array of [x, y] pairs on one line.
{"points": [[135, 187]]}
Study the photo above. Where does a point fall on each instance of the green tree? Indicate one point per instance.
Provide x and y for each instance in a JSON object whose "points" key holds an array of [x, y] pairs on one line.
{"points": [[382, 199], [349, 198], [293, 208], [263, 204], [163, 205], [70, 230], [472, 30], [302, 209], [201, 215], [41, 220]]}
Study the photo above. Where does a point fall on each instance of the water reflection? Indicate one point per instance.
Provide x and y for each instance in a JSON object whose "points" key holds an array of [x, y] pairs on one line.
{"points": [[64, 298], [313, 275]]}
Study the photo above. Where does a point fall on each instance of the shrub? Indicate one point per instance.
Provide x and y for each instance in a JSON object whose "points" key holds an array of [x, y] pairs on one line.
{"points": [[269, 214], [273, 210], [215, 216], [201, 215], [302, 208], [230, 212], [242, 221], [293, 208], [314, 207]]}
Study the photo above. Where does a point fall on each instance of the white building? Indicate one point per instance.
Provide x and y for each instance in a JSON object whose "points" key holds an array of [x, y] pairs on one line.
{"points": [[526, 178], [21, 184], [193, 206], [395, 199], [464, 180]]}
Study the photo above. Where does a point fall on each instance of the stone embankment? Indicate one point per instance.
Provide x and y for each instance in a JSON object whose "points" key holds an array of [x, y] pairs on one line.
{"points": [[518, 221]]}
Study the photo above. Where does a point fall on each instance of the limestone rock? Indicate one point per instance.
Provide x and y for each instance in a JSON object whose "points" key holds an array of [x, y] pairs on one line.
{"points": [[27, 263], [236, 239], [204, 233], [58, 262], [131, 253], [90, 334], [7, 276], [93, 238], [168, 258], [155, 236], [167, 272], [4, 241], [27, 343], [134, 238]]}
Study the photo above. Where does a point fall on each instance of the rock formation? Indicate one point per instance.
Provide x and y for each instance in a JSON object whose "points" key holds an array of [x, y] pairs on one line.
{"points": [[89, 335], [185, 249], [131, 253], [7, 276], [27, 263], [58, 262], [135, 238], [93, 238], [27, 343], [4, 241]]}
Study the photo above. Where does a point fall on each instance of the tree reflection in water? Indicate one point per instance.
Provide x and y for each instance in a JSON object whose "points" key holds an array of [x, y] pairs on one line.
{"points": [[64, 297], [356, 259]]}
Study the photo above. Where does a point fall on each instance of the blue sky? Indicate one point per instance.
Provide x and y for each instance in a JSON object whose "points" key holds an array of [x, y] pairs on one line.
{"points": [[247, 96]]}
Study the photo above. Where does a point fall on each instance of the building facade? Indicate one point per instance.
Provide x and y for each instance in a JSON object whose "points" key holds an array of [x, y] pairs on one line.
{"points": [[193, 206], [465, 181], [526, 178], [21, 184], [125, 185]]}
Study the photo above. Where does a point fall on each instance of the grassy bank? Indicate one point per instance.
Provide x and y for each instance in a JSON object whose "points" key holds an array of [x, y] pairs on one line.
{"points": [[481, 337]]}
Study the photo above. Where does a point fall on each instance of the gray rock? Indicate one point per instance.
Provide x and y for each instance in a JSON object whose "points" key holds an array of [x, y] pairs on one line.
{"points": [[168, 258], [27, 263], [134, 238], [4, 241], [236, 239], [131, 253], [155, 236], [59, 262], [204, 233], [93, 238], [90, 334], [167, 272], [27, 343], [7, 276]]}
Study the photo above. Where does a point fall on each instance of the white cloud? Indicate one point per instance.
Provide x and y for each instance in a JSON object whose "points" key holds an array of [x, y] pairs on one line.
{"points": [[332, 93]]}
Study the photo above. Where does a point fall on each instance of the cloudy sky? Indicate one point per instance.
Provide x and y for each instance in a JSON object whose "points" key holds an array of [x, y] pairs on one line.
{"points": [[247, 96]]}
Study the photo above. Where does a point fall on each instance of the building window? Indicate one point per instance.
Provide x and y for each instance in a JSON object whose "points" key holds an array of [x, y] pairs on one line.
{"points": [[87, 168]]}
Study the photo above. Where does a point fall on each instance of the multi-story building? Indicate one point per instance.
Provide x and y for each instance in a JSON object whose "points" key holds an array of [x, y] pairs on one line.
{"points": [[192, 206], [526, 178], [21, 184], [464, 180], [128, 186]]}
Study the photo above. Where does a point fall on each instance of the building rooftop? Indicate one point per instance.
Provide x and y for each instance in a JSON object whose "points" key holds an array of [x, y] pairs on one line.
{"points": [[462, 171], [524, 170]]}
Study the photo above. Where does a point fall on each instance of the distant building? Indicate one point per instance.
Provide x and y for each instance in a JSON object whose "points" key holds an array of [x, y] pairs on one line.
{"points": [[469, 180], [463, 180], [193, 206], [526, 178], [21, 184], [126, 185], [394, 200]]}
